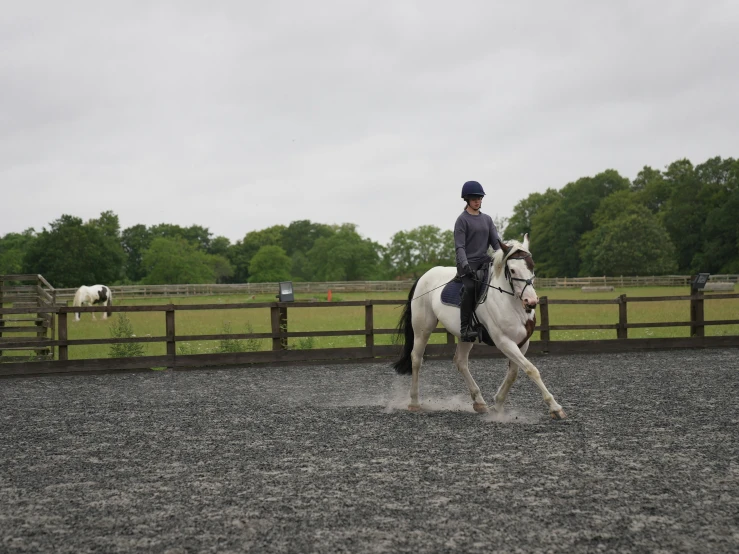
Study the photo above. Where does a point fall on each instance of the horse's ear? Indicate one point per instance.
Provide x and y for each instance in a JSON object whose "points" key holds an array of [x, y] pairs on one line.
{"points": [[526, 242], [504, 247]]}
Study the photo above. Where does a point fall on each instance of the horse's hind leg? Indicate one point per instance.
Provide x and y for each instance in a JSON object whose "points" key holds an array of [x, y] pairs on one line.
{"points": [[419, 347], [461, 361]]}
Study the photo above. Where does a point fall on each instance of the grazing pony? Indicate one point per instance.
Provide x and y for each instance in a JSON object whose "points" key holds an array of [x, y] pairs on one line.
{"points": [[507, 314], [96, 294]]}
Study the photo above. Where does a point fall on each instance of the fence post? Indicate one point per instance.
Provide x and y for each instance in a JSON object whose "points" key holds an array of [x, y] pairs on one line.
{"points": [[369, 324], [278, 315], [697, 329], [622, 332], [62, 334], [544, 325], [170, 333]]}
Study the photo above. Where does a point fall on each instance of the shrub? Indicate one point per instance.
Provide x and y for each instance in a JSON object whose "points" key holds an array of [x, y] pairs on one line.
{"points": [[305, 343], [229, 345], [121, 328]]}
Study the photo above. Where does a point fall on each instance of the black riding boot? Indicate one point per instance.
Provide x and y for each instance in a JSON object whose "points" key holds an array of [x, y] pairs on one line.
{"points": [[469, 332]]}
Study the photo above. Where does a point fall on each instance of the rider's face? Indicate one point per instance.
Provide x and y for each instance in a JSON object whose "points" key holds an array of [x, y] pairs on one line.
{"points": [[475, 202]]}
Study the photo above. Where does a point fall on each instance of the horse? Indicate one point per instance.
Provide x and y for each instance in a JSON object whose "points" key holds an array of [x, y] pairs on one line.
{"points": [[96, 294], [507, 314]]}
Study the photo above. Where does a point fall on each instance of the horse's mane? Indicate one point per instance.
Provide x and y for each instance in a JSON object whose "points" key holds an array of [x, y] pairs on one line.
{"points": [[499, 256]]}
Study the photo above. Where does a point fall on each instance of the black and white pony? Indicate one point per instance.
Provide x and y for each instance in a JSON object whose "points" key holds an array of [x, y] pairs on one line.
{"points": [[96, 294], [507, 313]]}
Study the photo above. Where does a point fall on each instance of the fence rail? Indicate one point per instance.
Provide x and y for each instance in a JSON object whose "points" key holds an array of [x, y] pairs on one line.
{"points": [[143, 291], [279, 335]]}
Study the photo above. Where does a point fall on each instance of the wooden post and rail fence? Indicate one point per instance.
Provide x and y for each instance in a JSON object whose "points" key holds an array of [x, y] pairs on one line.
{"points": [[340, 287], [279, 335]]}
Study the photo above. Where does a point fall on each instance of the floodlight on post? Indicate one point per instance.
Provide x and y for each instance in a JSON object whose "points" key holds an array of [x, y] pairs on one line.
{"points": [[700, 280], [697, 316], [286, 292]]}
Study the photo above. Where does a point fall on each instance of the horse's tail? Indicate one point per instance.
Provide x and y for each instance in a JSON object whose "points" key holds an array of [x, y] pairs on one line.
{"points": [[405, 327], [110, 302]]}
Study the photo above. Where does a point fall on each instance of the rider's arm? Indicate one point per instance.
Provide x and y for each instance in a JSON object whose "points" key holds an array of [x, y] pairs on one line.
{"points": [[460, 241], [494, 236]]}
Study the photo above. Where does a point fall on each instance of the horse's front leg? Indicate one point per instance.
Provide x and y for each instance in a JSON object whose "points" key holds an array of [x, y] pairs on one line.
{"points": [[510, 378], [505, 386], [511, 350], [461, 361]]}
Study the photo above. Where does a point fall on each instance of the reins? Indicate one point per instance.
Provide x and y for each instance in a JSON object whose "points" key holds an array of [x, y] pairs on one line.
{"points": [[509, 278], [430, 291]]}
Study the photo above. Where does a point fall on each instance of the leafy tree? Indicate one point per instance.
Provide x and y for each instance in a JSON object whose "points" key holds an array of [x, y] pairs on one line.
{"points": [[412, 253], [197, 235], [71, 254], [300, 236], [520, 222], [684, 214], [720, 232], [108, 224], [219, 246], [241, 253], [176, 261], [270, 264], [651, 189], [616, 205], [222, 269], [345, 256], [559, 225], [13, 247], [634, 243], [301, 268], [135, 241]]}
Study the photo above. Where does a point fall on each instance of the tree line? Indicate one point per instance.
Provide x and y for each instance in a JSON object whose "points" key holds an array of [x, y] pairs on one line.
{"points": [[680, 220], [72, 252]]}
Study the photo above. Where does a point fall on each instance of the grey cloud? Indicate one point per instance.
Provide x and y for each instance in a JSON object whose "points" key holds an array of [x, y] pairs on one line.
{"points": [[241, 115]]}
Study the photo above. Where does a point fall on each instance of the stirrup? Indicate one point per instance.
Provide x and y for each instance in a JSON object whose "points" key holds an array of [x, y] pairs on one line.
{"points": [[471, 334]]}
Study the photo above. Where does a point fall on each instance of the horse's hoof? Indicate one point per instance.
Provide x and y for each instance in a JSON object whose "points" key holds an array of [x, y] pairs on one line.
{"points": [[480, 408], [414, 408], [559, 414]]}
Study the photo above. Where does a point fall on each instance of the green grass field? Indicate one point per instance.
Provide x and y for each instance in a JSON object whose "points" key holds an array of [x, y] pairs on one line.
{"points": [[257, 320]]}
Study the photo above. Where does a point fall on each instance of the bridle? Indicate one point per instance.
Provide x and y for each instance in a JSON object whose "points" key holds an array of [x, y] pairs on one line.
{"points": [[522, 255]]}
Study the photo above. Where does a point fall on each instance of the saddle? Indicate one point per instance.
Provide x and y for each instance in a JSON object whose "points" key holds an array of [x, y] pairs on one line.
{"points": [[451, 295]]}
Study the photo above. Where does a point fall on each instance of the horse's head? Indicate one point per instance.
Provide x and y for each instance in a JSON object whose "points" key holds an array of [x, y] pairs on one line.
{"points": [[516, 261]]}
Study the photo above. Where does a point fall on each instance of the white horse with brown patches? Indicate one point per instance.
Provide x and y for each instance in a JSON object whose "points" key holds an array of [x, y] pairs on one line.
{"points": [[507, 313], [96, 294]]}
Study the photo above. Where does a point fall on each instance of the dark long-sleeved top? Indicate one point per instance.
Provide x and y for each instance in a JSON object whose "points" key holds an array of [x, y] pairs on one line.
{"points": [[472, 236]]}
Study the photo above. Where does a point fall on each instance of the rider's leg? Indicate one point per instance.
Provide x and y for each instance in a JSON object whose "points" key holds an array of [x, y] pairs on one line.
{"points": [[468, 333]]}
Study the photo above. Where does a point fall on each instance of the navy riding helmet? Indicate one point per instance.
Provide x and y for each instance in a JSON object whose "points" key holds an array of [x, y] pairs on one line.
{"points": [[472, 188]]}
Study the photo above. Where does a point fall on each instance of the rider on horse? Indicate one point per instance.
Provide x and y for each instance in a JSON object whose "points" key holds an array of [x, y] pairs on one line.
{"points": [[474, 232]]}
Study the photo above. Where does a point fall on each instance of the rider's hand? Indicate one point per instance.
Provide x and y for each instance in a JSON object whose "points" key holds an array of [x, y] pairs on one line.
{"points": [[467, 271]]}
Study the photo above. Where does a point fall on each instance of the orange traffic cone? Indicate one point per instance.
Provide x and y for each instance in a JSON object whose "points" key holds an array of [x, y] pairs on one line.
{"points": [[328, 296]]}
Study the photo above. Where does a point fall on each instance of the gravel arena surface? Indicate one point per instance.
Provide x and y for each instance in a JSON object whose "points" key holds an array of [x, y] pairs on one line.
{"points": [[327, 459]]}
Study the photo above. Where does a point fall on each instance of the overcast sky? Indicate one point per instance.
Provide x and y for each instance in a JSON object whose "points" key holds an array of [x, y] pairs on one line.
{"points": [[238, 115]]}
